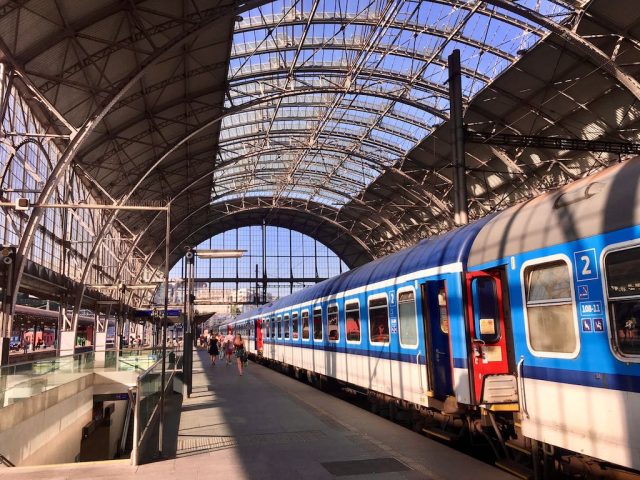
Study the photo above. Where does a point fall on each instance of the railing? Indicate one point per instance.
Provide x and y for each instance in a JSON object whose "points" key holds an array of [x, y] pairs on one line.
{"points": [[5, 461], [149, 390], [23, 380]]}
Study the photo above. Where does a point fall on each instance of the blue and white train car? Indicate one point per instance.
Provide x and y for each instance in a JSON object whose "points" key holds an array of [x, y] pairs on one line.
{"points": [[533, 313]]}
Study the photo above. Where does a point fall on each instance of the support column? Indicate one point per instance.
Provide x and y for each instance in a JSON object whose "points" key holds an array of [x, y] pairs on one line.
{"points": [[8, 255], [264, 261], [67, 343], [461, 215], [100, 345]]}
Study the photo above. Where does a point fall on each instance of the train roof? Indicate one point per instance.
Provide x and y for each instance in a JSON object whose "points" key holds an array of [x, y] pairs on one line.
{"points": [[600, 203], [450, 248]]}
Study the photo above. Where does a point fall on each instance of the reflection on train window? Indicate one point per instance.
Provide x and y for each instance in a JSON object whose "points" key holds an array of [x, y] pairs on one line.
{"points": [[294, 321], [273, 328], [444, 312], [317, 323], [485, 309], [305, 325], [279, 323], [550, 316], [332, 323], [623, 288], [407, 318], [286, 326], [352, 323], [379, 320]]}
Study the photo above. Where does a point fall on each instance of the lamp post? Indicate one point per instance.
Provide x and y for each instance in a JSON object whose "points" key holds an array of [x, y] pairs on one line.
{"points": [[190, 298]]}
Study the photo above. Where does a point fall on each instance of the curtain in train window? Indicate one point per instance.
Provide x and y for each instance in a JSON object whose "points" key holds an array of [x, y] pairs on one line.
{"points": [[623, 289], [332, 323], [286, 326], [379, 320], [550, 312], [305, 325], [352, 321], [294, 321], [317, 323], [407, 318]]}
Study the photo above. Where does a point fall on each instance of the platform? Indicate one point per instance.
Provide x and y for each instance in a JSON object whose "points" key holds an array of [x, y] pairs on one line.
{"points": [[266, 425]]}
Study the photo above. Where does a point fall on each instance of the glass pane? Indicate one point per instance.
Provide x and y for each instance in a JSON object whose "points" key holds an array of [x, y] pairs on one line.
{"points": [[332, 323], [295, 326], [551, 328], [485, 309], [305, 325], [317, 324], [352, 324], [279, 327], [549, 281], [444, 313], [623, 272], [626, 325], [408, 323], [286, 326], [379, 320]]}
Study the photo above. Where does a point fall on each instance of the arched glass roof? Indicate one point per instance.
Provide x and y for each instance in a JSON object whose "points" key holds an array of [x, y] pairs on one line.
{"points": [[328, 94]]}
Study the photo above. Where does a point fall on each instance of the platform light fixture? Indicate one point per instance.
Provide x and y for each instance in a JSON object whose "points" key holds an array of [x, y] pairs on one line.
{"points": [[219, 253]]}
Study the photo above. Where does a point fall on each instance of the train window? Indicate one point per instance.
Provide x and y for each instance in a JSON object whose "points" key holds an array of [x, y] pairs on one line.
{"points": [[407, 318], [379, 320], [352, 321], [305, 325], [317, 323], [279, 324], [623, 289], [552, 327], [332, 323], [444, 312], [486, 316], [294, 321], [273, 328], [286, 326]]}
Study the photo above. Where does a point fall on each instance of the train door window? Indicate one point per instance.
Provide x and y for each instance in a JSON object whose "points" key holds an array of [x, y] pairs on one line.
{"points": [[286, 327], [305, 325], [317, 323], [332, 323], [486, 316], [295, 325], [379, 319], [273, 328], [352, 321], [623, 295], [407, 318], [279, 324], [552, 328]]}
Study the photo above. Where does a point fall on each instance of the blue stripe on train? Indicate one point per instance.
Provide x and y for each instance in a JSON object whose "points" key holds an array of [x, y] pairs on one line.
{"points": [[612, 381]]}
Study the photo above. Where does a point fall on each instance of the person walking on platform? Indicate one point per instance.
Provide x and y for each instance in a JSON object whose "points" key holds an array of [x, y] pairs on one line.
{"points": [[240, 353], [214, 351], [228, 346]]}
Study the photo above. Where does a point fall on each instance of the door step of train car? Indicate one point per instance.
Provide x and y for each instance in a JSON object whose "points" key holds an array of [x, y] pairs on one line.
{"points": [[518, 447], [445, 435], [515, 468]]}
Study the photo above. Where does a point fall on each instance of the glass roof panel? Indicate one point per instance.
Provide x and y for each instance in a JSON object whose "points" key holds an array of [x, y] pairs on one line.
{"points": [[338, 90]]}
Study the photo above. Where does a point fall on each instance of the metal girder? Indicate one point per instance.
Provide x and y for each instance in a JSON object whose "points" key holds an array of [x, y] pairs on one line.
{"points": [[598, 57], [339, 19], [87, 128]]}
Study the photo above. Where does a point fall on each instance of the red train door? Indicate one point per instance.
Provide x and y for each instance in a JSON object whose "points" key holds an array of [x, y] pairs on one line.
{"points": [[258, 334], [488, 353]]}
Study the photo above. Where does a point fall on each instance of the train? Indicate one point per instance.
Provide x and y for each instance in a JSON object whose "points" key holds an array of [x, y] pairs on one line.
{"points": [[522, 327]]}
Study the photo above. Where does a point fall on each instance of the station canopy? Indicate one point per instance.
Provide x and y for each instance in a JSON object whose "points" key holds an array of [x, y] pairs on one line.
{"points": [[327, 116]]}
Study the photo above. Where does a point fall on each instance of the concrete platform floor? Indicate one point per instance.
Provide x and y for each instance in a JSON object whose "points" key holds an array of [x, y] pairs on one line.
{"points": [[264, 425]]}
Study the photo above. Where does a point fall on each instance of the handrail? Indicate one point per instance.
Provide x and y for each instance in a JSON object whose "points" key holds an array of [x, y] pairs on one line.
{"points": [[5, 461], [522, 395]]}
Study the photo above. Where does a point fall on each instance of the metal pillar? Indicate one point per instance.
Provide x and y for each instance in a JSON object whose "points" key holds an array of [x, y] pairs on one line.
{"points": [[264, 261], [6, 313], [163, 374], [188, 337], [461, 214]]}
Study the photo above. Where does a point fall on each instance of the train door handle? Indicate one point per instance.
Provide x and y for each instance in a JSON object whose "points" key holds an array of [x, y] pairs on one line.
{"points": [[522, 396]]}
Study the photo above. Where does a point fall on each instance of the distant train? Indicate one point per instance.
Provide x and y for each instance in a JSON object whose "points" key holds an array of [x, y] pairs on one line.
{"points": [[523, 327]]}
